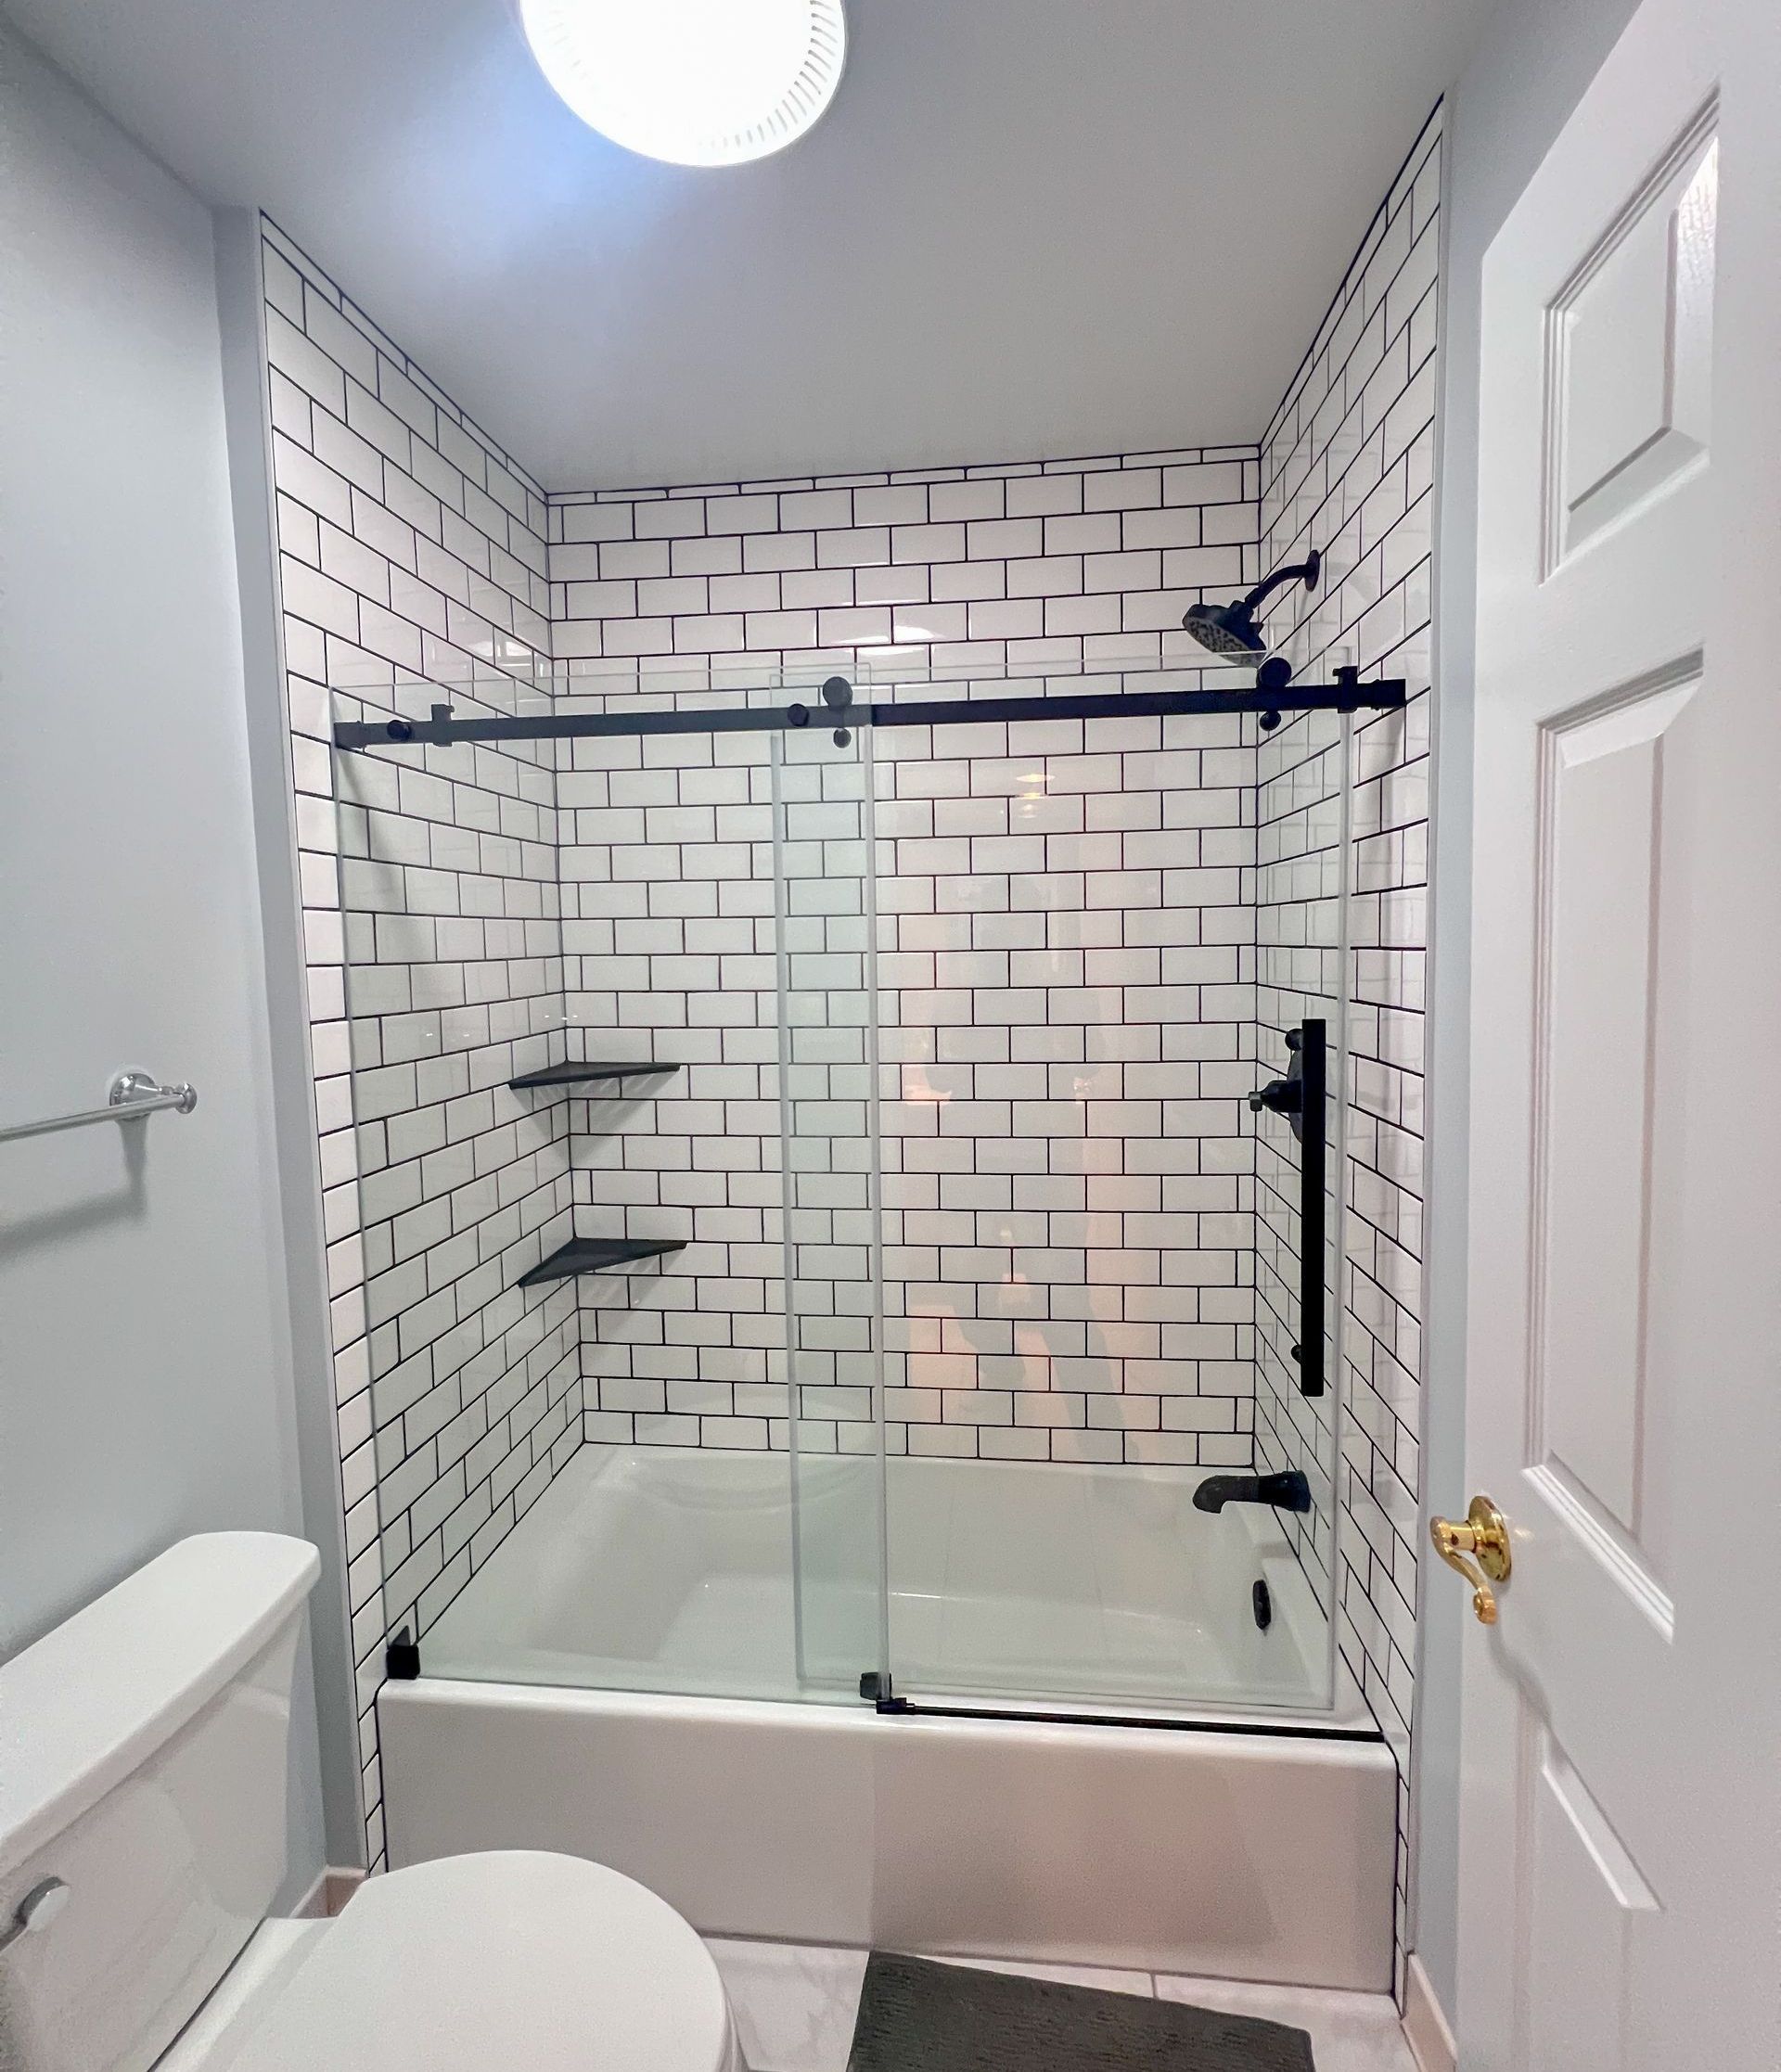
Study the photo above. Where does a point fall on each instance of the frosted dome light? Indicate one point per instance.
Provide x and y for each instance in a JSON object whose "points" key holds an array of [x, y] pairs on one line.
{"points": [[693, 82]]}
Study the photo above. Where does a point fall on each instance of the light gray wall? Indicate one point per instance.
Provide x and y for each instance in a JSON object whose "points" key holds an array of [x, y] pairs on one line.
{"points": [[146, 1385], [1531, 66]]}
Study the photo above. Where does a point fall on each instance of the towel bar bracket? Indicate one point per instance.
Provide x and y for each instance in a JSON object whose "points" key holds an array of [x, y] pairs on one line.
{"points": [[130, 1096]]}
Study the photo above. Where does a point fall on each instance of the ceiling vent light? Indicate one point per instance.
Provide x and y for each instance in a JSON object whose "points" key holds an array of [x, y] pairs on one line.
{"points": [[693, 82]]}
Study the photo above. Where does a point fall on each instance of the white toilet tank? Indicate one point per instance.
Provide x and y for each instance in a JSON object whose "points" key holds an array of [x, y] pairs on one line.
{"points": [[143, 1757]]}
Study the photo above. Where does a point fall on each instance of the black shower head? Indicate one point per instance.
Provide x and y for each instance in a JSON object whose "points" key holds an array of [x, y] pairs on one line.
{"points": [[1230, 631]]}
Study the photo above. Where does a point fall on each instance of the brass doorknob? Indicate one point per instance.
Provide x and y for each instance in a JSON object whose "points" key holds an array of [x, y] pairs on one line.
{"points": [[1479, 1550]]}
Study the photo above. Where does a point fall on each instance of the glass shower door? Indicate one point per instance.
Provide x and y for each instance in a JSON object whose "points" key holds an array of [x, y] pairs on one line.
{"points": [[829, 1149], [1092, 1280]]}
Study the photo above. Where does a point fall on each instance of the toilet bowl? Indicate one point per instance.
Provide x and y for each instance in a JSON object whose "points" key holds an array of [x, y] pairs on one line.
{"points": [[513, 1959], [142, 1841]]}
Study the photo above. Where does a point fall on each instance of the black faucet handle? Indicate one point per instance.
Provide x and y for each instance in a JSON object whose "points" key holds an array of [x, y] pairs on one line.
{"points": [[1283, 1096]]}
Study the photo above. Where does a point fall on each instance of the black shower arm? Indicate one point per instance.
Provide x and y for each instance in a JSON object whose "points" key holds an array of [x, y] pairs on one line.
{"points": [[1305, 571]]}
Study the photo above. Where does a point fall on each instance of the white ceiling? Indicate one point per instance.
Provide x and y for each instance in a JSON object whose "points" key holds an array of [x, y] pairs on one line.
{"points": [[1025, 228]]}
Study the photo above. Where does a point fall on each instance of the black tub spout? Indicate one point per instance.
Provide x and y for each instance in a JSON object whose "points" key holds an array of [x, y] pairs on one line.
{"points": [[1286, 1491]]}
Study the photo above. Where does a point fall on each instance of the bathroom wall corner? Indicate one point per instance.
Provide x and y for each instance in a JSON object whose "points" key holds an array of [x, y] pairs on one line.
{"points": [[299, 1278], [1349, 468]]}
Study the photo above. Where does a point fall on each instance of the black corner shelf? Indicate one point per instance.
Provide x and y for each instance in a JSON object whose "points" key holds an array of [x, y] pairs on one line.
{"points": [[598, 1255], [580, 1068]]}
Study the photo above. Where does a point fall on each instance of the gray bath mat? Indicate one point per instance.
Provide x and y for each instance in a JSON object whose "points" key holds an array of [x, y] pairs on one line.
{"points": [[916, 2016]]}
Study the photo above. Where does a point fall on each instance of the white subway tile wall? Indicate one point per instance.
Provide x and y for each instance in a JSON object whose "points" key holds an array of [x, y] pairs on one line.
{"points": [[1065, 939], [1348, 468], [411, 547]]}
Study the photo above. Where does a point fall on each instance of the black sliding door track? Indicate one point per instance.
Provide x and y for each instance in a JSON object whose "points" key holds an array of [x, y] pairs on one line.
{"points": [[1282, 1730], [441, 730]]}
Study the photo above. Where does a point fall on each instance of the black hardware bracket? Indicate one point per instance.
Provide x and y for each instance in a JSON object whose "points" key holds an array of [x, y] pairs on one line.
{"points": [[838, 694], [402, 1658], [875, 1688], [1286, 1096]]}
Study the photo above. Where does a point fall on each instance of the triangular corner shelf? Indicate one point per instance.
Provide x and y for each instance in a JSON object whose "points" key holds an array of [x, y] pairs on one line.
{"points": [[578, 1069], [598, 1255]]}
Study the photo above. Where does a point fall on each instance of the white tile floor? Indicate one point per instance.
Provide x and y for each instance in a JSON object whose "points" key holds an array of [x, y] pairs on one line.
{"points": [[795, 2004]]}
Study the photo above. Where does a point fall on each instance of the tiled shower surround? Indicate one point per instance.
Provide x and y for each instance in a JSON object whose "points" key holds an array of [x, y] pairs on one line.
{"points": [[409, 544], [1092, 937]]}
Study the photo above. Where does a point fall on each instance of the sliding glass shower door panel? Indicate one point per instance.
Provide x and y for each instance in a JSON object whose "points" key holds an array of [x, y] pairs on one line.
{"points": [[829, 1131], [1069, 1020], [563, 1005], [1308, 863]]}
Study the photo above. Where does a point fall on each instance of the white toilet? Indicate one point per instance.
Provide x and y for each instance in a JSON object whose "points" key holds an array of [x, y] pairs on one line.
{"points": [[142, 1838]]}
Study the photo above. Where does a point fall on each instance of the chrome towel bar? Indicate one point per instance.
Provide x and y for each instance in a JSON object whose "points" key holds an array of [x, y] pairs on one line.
{"points": [[131, 1095]]}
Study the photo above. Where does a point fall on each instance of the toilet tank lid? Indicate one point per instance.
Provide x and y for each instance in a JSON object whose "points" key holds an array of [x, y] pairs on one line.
{"points": [[84, 1707]]}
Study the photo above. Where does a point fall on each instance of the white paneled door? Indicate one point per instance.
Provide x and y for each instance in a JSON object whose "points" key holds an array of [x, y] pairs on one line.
{"points": [[1622, 1733]]}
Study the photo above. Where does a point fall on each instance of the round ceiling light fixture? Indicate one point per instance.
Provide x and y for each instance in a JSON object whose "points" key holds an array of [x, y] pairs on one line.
{"points": [[693, 82]]}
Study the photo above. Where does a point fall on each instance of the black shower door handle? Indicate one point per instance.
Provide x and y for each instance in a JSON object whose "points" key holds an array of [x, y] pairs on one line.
{"points": [[1299, 1098], [1309, 1042]]}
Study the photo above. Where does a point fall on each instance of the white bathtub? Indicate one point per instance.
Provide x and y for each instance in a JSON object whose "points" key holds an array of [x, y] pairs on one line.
{"points": [[657, 1569], [556, 1710]]}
